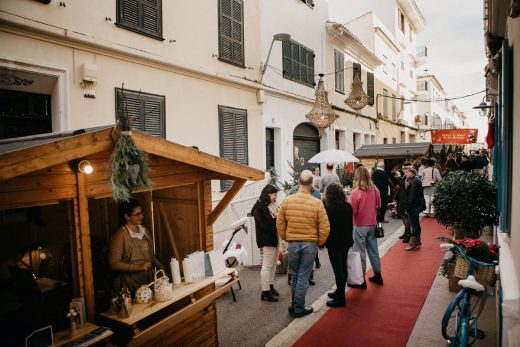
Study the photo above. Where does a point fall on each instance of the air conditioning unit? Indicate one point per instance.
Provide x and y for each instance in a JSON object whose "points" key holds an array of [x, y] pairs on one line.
{"points": [[419, 119]]}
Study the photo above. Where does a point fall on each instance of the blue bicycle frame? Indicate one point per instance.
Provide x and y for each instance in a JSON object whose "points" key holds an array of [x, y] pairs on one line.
{"points": [[465, 323]]}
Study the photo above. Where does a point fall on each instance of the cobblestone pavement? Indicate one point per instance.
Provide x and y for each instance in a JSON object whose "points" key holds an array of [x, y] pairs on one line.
{"points": [[252, 322]]}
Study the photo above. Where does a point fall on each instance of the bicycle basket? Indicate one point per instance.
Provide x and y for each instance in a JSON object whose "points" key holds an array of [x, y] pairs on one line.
{"points": [[483, 275]]}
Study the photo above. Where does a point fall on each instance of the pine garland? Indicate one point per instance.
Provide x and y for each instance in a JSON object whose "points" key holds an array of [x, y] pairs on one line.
{"points": [[126, 154]]}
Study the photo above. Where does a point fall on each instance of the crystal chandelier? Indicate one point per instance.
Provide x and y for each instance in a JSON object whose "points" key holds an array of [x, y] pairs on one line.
{"points": [[357, 98], [321, 115]]}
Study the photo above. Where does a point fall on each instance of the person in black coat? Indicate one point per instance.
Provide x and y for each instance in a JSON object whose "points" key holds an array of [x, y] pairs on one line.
{"points": [[414, 204], [400, 198], [340, 239], [383, 183], [264, 212]]}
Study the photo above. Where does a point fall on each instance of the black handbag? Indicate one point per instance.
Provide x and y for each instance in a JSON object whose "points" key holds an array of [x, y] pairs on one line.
{"points": [[380, 232]]}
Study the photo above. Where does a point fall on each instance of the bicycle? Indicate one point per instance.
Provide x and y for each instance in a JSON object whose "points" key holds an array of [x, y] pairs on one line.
{"points": [[459, 322]]}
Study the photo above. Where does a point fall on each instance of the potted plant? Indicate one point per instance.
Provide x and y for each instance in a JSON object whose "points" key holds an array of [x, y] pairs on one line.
{"points": [[466, 202]]}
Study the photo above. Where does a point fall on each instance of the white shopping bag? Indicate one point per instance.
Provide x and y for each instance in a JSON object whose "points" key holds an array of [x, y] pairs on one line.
{"points": [[354, 269]]}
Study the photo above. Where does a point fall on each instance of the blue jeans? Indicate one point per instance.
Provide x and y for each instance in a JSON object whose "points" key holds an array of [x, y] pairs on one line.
{"points": [[365, 241], [301, 256], [413, 215]]}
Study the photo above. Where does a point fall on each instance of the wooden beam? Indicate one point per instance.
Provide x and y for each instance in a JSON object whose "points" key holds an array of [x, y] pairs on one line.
{"points": [[86, 254], [225, 201], [171, 150], [34, 158]]}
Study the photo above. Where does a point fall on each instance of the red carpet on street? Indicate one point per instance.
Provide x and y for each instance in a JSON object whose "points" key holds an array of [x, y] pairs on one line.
{"points": [[384, 315]]}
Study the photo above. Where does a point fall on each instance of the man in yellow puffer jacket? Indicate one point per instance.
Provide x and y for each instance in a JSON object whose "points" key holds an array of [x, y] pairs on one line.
{"points": [[302, 221]]}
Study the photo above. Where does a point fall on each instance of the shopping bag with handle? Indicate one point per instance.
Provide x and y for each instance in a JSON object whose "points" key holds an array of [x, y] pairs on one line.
{"points": [[354, 269]]}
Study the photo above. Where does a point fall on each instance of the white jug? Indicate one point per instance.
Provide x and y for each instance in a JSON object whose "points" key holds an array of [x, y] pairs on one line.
{"points": [[176, 272], [187, 269]]}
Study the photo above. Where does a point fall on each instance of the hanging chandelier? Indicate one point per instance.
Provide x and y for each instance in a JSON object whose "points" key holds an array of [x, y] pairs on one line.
{"points": [[321, 115], [357, 98]]}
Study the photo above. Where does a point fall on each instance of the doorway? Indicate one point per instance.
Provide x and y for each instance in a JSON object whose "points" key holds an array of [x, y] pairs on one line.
{"points": [[306, 142]]}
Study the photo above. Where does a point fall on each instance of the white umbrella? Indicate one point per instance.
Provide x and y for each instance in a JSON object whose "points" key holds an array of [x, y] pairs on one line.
{"points": [[333, 156]]}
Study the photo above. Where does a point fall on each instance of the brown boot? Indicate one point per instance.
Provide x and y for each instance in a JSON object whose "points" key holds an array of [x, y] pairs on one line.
{"points": [[413, 244]]}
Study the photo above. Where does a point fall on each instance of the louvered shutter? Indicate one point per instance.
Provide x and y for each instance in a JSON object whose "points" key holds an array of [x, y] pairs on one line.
{"points": [[151, 14], [233, 138], [339, 75], [287, 62], [370, 88], [144, 16], [145, 111], [356, 72], [231, 31], [298, 63]]}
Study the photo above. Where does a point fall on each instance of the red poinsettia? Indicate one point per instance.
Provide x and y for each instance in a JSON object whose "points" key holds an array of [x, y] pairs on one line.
{"points": [[476, 248]]}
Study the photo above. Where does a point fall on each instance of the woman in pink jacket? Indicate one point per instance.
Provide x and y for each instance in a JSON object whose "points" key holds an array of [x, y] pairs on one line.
{"points": [[365, 201]]}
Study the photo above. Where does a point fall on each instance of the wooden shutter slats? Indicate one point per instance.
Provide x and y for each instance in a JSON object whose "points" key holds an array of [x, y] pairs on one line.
{"points": [[146, 111], [233, 137], [231, 29], [370, 88], [144, 16], [298, 62]]}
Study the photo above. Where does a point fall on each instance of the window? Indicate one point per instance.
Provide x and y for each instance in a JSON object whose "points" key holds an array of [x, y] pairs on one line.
{"points": [[339, 74], [356, 71], [269, 148], [385, 62], [233, 137], [425, 85], [401, 20], [141, 16], [385, 103], [403, 137], [394, 140], [385, 140], [356, 141], [298, 63], [146, 110], [231, 31], [394, 107], [309, 2], [336, 139], [370, 88]]}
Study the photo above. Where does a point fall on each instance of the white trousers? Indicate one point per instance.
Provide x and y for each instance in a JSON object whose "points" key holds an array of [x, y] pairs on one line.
{"points": [[269, 258], [428, 198]]}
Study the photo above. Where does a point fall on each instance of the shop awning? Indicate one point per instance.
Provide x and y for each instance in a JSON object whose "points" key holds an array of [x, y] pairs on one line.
{"points": [[393, 150]]}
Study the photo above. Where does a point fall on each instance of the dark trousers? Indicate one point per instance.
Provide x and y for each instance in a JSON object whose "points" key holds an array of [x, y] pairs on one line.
{"points": [[406, 222], [338, 260], [382, 211], [413, 216]]}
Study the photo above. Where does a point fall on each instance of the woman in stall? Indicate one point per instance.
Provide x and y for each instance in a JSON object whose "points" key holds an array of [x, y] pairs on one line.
{"points": [[265, 211], [131, 253]]}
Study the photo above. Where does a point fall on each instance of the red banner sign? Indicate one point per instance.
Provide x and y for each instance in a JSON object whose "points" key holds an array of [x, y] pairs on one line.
{"points": [[455, 136]]}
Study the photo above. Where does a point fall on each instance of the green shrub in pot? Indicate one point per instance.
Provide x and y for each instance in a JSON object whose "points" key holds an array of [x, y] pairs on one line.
{"points": [[465, 201]]}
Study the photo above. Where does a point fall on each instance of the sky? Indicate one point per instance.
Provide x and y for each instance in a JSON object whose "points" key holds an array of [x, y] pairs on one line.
{"points": [[454, 36]]}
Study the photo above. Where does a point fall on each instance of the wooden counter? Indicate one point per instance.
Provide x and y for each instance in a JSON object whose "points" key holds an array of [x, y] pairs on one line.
{"points": [[142, 335]]}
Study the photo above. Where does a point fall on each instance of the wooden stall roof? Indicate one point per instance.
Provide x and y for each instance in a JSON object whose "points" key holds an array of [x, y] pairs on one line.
{"points": [[392, 150], [20, 156]]}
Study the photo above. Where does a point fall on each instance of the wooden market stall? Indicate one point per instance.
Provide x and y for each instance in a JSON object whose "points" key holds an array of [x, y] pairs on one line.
{"points": [[57, 221], [393, 154]]}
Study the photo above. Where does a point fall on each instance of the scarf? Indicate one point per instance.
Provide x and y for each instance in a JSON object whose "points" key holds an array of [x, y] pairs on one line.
{"points": [[273, 209]]}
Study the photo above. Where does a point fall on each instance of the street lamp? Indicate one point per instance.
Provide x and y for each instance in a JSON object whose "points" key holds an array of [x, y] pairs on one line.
{"points": [[276, 37], [483, 107]]}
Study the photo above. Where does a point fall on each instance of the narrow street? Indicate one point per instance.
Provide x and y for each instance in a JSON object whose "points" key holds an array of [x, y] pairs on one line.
{"points": [[252, 322]]}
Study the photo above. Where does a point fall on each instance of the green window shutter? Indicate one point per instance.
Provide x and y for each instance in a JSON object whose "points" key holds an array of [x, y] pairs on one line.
{"points": [[146, 111], [231, 31], [142, 16], [339, 75], [233, 138], [370, 88], [385, 103], [394, 107], [356, 71], [298, 63]]}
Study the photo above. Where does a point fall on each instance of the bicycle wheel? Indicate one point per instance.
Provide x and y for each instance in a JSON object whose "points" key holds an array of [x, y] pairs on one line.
{"points": [[450, 328]]}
